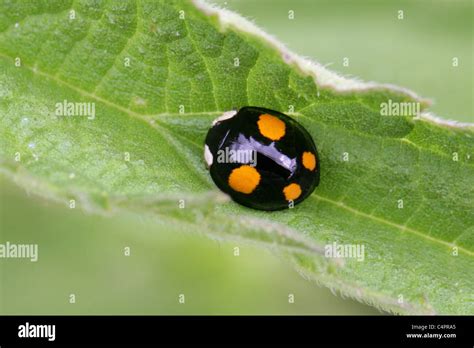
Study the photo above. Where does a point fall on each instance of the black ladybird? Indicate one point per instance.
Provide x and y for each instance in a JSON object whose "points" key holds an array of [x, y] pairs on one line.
{"points": [[262, 158]]}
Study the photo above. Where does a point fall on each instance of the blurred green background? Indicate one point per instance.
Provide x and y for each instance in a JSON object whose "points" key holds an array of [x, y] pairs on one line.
{"points": [[84, 255]]}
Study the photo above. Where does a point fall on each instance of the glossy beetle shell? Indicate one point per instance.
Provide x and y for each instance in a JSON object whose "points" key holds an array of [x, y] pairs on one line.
{"points": [[262, 158]]}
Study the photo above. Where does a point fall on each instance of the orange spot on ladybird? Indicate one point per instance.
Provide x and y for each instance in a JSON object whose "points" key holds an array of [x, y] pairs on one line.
{"points": [[309, 160], [292, 192], [244, 179], [271, 127]]}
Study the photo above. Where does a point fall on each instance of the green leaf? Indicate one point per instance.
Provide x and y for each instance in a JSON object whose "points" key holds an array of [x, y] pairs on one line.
{"points": [[159, 72]]}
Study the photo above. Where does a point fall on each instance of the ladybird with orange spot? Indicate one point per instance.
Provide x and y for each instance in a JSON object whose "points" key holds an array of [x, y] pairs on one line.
{"points": [[262, 158]]}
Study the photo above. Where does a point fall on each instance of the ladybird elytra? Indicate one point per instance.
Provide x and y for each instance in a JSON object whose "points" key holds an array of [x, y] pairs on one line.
{"points": [[262, 158]]}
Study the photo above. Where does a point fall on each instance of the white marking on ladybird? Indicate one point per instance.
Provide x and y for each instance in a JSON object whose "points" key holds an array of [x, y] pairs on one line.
{"points": [[208, 155], [225, 116]]}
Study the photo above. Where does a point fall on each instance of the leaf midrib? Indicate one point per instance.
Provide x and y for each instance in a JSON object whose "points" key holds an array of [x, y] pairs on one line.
{"points": [[144, 118]]}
